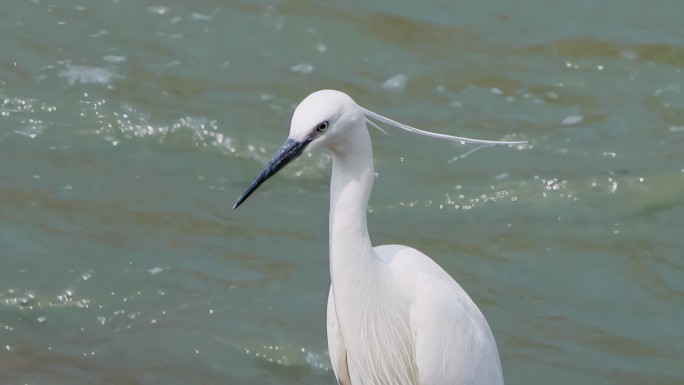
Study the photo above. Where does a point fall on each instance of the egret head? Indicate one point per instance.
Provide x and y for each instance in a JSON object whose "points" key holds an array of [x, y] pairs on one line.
{"points": [[321, 119], [326, 118]]}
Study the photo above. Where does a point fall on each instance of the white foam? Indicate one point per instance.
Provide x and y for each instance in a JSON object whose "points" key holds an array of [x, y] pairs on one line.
{"points": [[397, 82], [302, 68], [84, 74]]}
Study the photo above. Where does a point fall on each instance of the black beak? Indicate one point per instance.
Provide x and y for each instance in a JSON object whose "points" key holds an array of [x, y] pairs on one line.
{"points": [[290, 150]]}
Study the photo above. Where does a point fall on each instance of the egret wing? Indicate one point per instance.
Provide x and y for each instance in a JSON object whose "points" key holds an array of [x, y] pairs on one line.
{"points": [[453, 343], [452, 340]]}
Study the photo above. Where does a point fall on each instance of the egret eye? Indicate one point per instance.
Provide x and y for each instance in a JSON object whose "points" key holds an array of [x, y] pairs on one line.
{"points": [[321, 127]]}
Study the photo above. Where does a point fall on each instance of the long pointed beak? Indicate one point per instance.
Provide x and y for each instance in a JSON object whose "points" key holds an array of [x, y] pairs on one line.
{"points": [[290, 150]]}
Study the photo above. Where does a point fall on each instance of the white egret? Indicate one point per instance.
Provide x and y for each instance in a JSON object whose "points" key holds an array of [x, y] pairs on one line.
{"points": [[394, 317]]}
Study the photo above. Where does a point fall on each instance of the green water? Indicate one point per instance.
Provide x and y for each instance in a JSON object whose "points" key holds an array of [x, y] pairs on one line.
{"points": [[128, 129]]}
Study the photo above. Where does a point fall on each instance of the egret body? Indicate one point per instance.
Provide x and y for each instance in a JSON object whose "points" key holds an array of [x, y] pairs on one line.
{"points": [[394, 316]]}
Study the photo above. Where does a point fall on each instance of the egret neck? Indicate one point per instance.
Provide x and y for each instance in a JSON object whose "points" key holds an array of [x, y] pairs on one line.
{"points": [[352, 259]]}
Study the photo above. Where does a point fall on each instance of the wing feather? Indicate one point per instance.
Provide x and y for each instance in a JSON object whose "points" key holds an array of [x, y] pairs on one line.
{"points": [[452, 340]]}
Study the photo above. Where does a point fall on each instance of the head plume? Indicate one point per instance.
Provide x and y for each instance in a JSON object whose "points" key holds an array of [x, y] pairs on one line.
{"points": [[374, 115]]}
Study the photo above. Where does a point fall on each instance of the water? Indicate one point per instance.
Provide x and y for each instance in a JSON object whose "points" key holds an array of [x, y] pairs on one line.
{"points": [[130, 127]]}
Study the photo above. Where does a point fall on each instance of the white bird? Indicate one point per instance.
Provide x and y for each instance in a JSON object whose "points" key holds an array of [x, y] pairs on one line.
{"points": [[394, 317]]}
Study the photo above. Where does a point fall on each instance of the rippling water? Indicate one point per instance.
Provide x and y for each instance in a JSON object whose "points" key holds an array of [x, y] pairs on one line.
{"points": [[129, 128]]}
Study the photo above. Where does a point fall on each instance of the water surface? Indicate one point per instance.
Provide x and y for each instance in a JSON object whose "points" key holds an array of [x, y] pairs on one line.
{"points": [[128, 128]]}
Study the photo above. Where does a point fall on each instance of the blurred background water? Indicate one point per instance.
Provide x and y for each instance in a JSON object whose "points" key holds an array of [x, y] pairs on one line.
{"points": [[128, 128]]}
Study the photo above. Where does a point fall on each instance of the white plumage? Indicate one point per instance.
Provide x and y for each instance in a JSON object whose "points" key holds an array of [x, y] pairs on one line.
{"points": [[394, 316]]}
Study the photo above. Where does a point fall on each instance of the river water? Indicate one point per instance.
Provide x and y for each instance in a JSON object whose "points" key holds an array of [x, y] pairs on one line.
{"points": [[128, 128]]}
